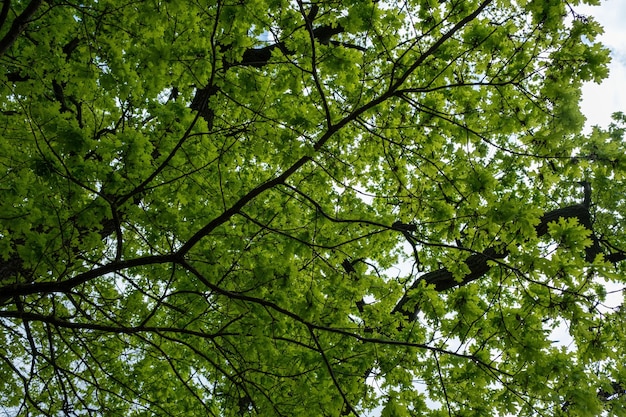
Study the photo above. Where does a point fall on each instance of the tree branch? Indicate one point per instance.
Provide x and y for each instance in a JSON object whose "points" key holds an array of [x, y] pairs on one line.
{"points": [[18, 26], [478, 263], [259, 57]]}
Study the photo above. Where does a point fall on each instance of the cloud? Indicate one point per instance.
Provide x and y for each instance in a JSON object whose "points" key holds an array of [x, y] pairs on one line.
{"points": [[600, 101]]}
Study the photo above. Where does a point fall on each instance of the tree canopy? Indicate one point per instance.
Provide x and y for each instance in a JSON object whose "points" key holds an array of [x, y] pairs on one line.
{"points": [[313, 208]]}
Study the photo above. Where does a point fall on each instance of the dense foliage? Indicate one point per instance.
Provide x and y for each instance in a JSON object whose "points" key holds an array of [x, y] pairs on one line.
{"points": [[299, 208]]}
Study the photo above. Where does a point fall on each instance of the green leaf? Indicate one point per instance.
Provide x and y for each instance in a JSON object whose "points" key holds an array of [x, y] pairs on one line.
{"points": [[199, 209]]}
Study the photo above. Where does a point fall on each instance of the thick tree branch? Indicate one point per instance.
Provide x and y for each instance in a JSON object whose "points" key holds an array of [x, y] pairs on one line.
{"points": [[479, 265], [19, 24], [13, 290], [4, 13], [258, 58], [92, 326]]}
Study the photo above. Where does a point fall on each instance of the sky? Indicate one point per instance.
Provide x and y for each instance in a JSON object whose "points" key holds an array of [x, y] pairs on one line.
{"points": [[600, 101]]}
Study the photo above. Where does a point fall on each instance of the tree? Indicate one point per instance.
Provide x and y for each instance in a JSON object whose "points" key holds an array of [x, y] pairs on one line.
{"points": [[205, 208]]}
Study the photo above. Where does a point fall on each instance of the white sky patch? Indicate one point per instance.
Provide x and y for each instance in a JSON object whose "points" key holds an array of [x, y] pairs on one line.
{"points": [[600, 101]]}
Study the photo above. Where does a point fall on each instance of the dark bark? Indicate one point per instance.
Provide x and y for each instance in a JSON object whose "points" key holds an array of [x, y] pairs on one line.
{"points": [[200, 103], [4, 13], [16, 77], [70, 47], [347, 266], [18, 26], [259, 57], [13, 272], [617, 390]]}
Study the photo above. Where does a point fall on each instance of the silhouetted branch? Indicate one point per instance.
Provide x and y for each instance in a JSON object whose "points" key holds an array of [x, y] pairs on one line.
{"points": [[479, 265], [19, 24]]}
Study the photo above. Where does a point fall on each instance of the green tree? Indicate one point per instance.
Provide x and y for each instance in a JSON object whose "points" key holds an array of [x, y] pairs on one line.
{"points": [[205, 207]]}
